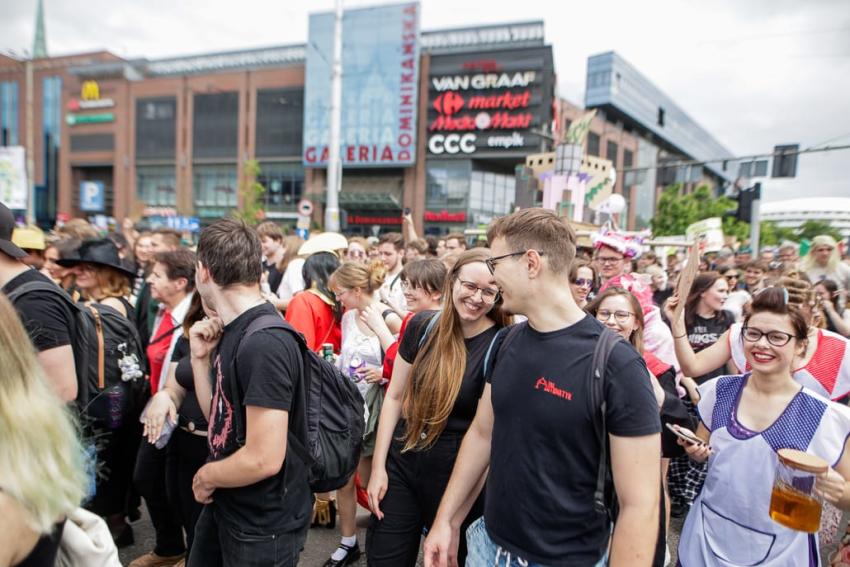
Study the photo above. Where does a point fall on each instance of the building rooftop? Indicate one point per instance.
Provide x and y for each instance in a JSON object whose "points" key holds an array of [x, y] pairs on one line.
{"points": [[838, 206]]}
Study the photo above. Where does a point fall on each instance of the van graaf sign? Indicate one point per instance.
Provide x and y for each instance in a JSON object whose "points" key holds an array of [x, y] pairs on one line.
{"points": [[380, 65], [485, 111]]}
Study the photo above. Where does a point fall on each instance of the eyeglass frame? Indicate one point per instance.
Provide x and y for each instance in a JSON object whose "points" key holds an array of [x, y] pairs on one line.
{"points": [[622, 321], [466, 283], [491, 261], [761, 333], [609, 260], [583, 282]]}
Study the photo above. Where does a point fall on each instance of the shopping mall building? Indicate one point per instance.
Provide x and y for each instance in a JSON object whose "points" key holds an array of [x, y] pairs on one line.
{"points": [[139, 137]]}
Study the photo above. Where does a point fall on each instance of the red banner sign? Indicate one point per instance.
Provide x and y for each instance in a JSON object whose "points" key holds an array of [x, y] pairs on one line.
{"points": [[445, 216], [365, 219]]}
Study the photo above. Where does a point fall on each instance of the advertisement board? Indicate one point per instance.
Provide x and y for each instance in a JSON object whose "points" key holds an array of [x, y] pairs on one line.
{"points": [[13, 177], [492, 105], [380, 74]]}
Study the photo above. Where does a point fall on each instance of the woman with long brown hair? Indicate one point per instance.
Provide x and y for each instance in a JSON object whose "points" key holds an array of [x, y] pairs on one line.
{"points": [[437, 381]]}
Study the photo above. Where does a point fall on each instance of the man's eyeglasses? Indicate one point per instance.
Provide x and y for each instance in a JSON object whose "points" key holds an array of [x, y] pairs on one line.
{"points": [[621, 317], [488, 294], [609, 259], [776, 338], [491, 262], [583, 282]]}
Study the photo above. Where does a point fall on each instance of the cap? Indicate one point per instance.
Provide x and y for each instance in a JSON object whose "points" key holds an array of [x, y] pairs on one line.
{"points": [[7, 227], [29, 238]]}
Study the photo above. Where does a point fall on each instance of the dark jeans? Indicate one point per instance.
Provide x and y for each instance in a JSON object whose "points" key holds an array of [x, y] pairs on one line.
{"points": [[220, 544], [116, 459], [187, 453], [149, 478], [417, 481]]}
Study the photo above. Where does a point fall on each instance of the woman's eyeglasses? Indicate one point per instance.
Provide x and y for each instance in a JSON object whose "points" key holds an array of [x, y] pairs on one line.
{"points": [[621, 317], [488, 294], [776, 338]]}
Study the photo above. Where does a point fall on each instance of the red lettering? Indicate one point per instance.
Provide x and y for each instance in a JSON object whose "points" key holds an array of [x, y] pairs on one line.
{"points": [[406, 100], [310, 154], [325, 154], [405, 140], [407, 63], [508, 101], [387, 154], [406, 123], [445, 216], [410, 9], [403, 155], [349, 153], [408, 49], [407, 77], [364, 153]]}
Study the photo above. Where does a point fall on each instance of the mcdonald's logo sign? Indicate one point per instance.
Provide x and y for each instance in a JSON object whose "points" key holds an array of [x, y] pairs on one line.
{"points": [[90, 91]]}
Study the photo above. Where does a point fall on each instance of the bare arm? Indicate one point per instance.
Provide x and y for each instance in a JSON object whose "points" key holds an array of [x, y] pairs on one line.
{"points": [[635, 464], [261, 457], [706, 360], [203, 337], [409, 230], [58, 366]]}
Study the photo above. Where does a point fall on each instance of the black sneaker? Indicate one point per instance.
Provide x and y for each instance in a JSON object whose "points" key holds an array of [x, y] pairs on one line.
{"points": [[352, 554]]}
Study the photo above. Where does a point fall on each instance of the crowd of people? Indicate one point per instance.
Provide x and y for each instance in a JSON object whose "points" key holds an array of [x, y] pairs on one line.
{"points": [[525, 400]]}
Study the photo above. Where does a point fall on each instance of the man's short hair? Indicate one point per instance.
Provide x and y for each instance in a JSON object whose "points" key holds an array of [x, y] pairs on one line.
{"points": [[178, 264], [461, 239], [271, 230], [428, 274], [170, 237], [231, 251], [419, 245], [394, 238], [538, 229], [758, 265]]}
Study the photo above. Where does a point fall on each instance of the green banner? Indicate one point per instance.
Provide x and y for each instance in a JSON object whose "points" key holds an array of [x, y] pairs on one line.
{"points": [[72, 119]]}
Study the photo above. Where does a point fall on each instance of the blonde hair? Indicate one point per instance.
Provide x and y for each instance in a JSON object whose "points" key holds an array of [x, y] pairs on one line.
{"points": [[291, 244], [808, 261], [41, 458], [110, 283], [353, 275]]}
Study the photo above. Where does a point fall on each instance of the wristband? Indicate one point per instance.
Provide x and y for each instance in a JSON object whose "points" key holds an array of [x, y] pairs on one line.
{"points": [[680, 336]]}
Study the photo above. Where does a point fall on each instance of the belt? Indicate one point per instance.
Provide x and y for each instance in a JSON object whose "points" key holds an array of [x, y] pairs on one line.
{"points": [[190, 426], [197, 432]]}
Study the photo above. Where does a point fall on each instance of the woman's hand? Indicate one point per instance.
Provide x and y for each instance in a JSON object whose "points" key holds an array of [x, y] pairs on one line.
{"points": [[670, 306], [699, 452], [160, 407], [831, 486], [378, 482], [690, 387], [373, 318], [371, 374]]}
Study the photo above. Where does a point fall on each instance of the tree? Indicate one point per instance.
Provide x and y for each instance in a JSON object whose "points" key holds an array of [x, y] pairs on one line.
{"points": [[772, 235], [812, 228], [251, 191], [675, 212]]}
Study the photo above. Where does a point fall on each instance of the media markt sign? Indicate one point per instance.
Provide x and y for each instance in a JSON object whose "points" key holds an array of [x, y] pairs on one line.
{"points": [[100, 118]]}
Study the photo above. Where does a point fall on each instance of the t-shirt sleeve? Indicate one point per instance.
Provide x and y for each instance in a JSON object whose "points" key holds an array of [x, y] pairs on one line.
{"points": [[181, 349], [409, 345], [632, 408], [269, 367], [46, 319], [708, 397], [299, 314]]}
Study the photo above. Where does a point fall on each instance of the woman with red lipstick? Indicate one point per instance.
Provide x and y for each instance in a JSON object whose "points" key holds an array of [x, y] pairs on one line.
{"points": [[744, 421]]}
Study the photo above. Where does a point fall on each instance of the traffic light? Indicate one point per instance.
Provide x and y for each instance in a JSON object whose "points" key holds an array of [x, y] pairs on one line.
{"points": [[745, 198]]}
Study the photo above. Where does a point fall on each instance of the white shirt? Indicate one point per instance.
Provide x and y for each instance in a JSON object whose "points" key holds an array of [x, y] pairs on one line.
{"points": [[292, 281]]}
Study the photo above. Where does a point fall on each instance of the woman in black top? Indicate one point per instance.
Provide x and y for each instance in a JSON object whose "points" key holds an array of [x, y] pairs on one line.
{"points": [[432, 398], [187, 449]]}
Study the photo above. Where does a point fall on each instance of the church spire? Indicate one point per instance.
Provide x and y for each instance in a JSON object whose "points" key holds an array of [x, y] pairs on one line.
{"points": [[39, 44]]}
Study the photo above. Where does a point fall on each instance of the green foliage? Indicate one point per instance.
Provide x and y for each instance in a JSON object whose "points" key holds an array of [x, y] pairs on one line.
{"points": [[772, 235], [251, 192], [676, 211], [812, 228]]}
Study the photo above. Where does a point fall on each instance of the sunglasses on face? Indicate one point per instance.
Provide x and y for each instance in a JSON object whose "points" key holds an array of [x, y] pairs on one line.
{"points": [[583, 282]]}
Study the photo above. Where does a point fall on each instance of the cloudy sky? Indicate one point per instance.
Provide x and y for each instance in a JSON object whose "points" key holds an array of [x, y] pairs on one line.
{"points": [[754, 73]]}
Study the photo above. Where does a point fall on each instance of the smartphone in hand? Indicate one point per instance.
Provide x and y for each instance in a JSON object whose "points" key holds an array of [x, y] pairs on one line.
{"points": [[685, 434]]}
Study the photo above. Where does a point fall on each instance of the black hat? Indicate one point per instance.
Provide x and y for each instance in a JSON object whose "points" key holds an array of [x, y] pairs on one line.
{"points": [[100, 252], [7, 227]]}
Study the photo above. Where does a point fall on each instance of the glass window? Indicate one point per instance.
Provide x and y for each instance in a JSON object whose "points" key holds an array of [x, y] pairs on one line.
{"points": [[215, 189], [280, 116], [9, 113], [611, 152], [592, 144], [155, 186], [156, 128], [448, 185], [215, 125], [284, 185], [476, 190]]}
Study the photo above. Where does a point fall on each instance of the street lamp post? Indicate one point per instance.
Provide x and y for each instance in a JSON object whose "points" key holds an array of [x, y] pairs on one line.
{"points": [[334, 172]]}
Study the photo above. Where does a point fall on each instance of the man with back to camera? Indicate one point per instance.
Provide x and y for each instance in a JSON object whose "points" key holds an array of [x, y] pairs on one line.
{"points": [[47, 318], [257, 502], [539, 507]]}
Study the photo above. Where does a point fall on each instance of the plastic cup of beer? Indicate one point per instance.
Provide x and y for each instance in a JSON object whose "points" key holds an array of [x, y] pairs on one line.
{"points": [[793, 501]]}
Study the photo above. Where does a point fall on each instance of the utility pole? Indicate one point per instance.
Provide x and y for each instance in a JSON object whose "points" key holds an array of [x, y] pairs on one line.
{"points": [[334, 171], [30, 148], [755, 219]]}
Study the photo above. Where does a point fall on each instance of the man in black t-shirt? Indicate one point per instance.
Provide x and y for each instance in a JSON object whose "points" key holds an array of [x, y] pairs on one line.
{"points": [[534, 425], [258, 502], [47, 318]]}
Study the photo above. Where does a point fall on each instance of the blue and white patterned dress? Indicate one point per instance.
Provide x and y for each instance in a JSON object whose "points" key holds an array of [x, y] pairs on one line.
{"points": [[729, 523]]}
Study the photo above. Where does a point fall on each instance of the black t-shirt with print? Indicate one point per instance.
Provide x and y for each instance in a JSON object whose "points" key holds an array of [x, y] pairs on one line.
{"points": [[702, 333], [473, 378], [47, 318], [269, 376], [275, 275], [544, 455], [189, 410]]}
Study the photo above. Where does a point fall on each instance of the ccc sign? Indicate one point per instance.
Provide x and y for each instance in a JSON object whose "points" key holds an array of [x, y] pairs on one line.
{"points": [[451, 143]]}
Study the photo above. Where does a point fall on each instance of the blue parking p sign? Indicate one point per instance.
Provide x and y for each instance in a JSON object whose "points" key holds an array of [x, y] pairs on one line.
{"points": [[92, 196]]}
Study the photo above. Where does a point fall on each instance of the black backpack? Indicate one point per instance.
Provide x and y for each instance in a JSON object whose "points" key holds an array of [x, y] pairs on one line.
{"points": [[604, 497], [100, 338], [333, 409]]}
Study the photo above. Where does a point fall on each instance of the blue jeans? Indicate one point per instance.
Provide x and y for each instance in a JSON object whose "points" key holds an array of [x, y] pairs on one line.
{"points": [[485, 552], [219, 544]]}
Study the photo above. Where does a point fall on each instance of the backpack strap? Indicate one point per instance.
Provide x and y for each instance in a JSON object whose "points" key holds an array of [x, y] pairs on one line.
{"points": [[261, 323], [503, 338], [432, 322], [604, 346], [101, 347]]}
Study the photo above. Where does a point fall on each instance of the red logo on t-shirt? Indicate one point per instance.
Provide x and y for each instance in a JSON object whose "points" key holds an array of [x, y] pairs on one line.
{"points": [[550, 388]]}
